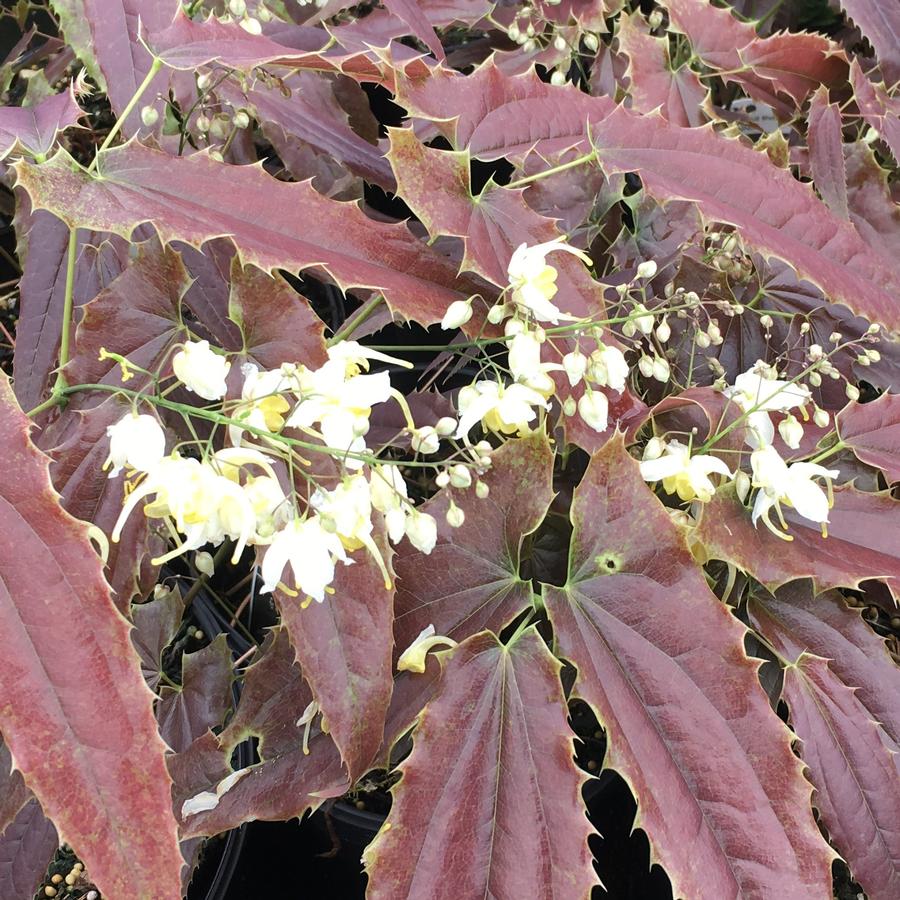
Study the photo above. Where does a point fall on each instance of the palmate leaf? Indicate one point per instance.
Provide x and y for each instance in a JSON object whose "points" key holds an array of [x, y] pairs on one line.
{"points": [[872, 432], [27, 845], [489, 803], [273, 224], [861, 543], [662, 663], [881, 111], [843, 693], [87, 747], [471, 580]]}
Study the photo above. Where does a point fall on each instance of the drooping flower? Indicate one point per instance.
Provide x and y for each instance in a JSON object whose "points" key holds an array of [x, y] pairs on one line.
{"points": [[608, 368], [758, 390], [421, 529], [792, 484], [310, 550], [263, 404], [458, 313], [413, 658], [525, 364], [533, 280], [593, 407], [500, 408], [137, 441], [201, 370], [683, 474]]}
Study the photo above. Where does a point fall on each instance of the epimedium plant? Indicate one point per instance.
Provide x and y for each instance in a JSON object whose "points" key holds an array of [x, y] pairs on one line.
{"points": [[648, 256]]}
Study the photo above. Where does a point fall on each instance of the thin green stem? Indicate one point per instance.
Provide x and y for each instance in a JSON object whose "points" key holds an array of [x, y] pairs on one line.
{"points": [[555, 170], [836, 448], [357, 319], [155, 66], [66, 330]]}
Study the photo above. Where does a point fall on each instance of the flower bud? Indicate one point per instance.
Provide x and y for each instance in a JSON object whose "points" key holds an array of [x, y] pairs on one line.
{"points": [[237, 7], [863, 360], [530, 45], [458, 313], [645, 365], [570, 407], [559, 42], [241, 119], [661, 369], [654, 448], [834, 337], [874, 328], [766, 321], [530, 30], [592, 42], [251, 26], [647, 269], [663, 331], [815, 352], [483, 448], [715, 334], [202, 123], [421, 529], [815, 379], [791, 431], [593, 407], [852, 392], [425, 440], [873, 355], [460, 476], [558, 78], [445, 426], [203, 562], [481, 490], [654, 20], [497, 313], [702, 340], [821, 418], [149, 116], [643, 319], [455, 516], [629, 328], [575, 365], [742, 485], [513, 32], [204, 81], [442, 479]]}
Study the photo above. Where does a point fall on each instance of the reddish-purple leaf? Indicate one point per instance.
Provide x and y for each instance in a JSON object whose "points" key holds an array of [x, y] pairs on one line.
{"points": [[26, 848], [796, 620], [273, 696], [881, 111], [678, 94], [201, 701], [277, 323], [826, 152], [873, 210], [861, 544], [471, 580], [770, 69], [872, 431], [116, 30], [773, 212], [137, 316], [409, 11], [879, 21], [662, 662], [78, 446], [155, 625], [195, 199], [494, 115], [13, 793], [88, 747], [34, 128], [489, 803], [843, 691], [43, 243], [311, 116], [344, 649]]}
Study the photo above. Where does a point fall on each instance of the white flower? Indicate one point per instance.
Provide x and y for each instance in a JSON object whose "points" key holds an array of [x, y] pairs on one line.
{"points": [[426, 439], [311, 552], [683, 474], [137, 441], [270, 505], [263, 405], [526, 366], [608, 368], [389, 496], [412, 659], [533, 281], [575, 365], [755, 390], [644, 320], [646, 269], [503, 409], [780, 483], [458, 313], [355, 356], [593, 407], [201, 370]]}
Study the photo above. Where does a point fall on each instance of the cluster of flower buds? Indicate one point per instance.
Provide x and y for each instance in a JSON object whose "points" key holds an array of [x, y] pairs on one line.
{"points": [[243, 493], [526, 306]]}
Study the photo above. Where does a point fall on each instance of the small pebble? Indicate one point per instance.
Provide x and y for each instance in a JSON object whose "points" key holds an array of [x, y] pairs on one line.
{"points": [[56, 879], [360, 804], [895, 621], [49, 891], [91, 895], [592, 765], [71, 878]]}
